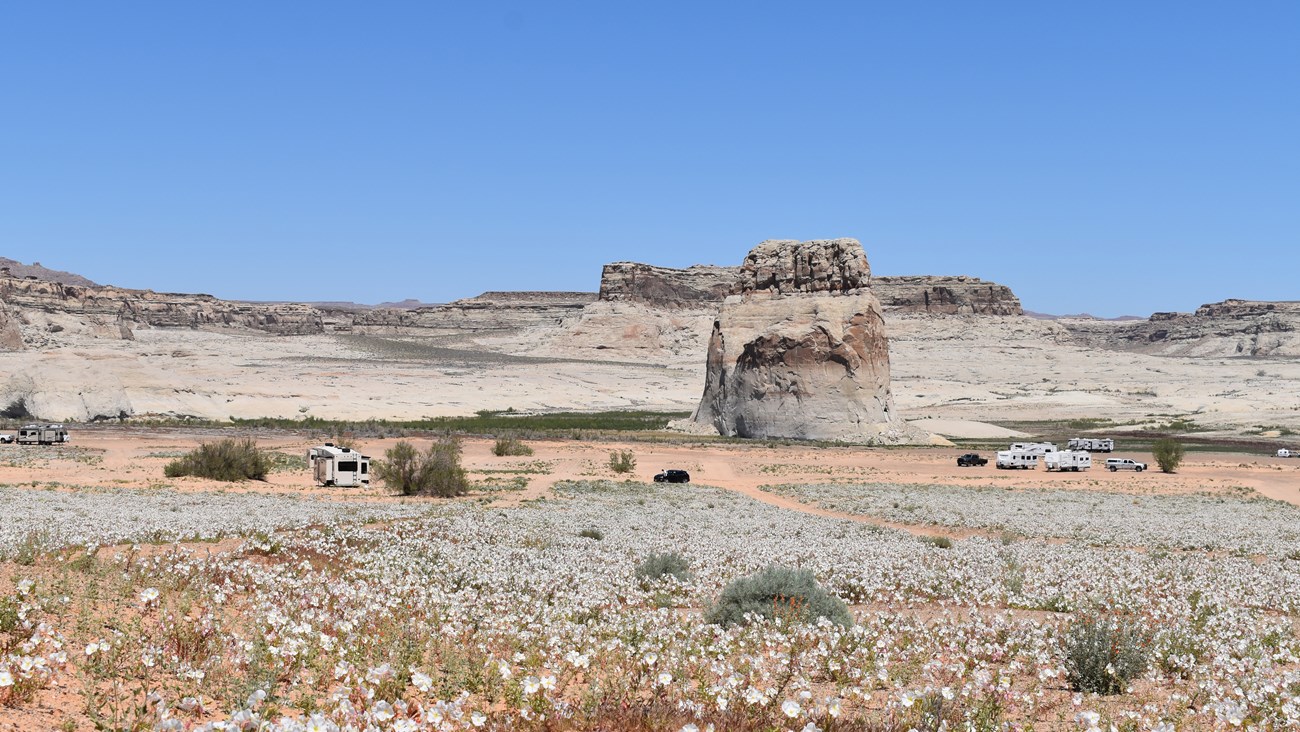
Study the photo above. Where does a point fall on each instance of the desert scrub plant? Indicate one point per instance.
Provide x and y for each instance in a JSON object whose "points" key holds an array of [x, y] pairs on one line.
{"points": [[1169, 454], [1103, 654], [777, 591], [592, 534], [229, 460], [622, 461], [435, 472], [510, 446], [669, 564]]}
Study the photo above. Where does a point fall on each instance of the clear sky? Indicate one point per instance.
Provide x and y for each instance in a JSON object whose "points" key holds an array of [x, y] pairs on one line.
{"points": [[1108, 157]]}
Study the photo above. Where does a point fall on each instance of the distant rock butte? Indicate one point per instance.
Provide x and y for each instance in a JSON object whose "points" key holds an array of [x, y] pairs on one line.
{"points": [[705, 285], [799, 350], [1232, 328]]}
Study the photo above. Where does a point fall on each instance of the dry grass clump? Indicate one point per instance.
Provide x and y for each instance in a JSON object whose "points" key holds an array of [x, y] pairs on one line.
{"points": [[510, 446]]}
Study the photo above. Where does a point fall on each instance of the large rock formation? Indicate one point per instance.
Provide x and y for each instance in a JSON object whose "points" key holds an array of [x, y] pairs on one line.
{"points": [[800, 350], [666, 287]]}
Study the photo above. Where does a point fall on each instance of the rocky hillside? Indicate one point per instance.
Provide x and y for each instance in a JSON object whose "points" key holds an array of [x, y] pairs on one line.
{"points": [[1232, 328]]}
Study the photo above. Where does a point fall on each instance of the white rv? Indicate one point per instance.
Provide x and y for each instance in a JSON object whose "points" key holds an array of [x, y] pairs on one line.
{"points": [[1017, 459], [1074, 460], [339, 466], [1091, 444], [1038, 448], [1286, 453], [38, 434]]}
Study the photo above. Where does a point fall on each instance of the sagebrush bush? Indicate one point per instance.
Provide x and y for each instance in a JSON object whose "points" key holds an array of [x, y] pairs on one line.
{"points": [[1104, 654], [1169, 454], [668, 564], [509, 446], [435, 472], [622, 461], [592, 534], [229, 460], [775, 591]]}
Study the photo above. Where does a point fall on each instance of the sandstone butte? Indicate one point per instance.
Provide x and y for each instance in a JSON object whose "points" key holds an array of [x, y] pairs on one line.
{"points": [[799, 350]]}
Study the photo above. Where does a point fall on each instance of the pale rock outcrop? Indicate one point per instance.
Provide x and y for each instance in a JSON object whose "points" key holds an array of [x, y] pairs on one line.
{"points": [[938, 295], [800, 351], [1232, 328]]}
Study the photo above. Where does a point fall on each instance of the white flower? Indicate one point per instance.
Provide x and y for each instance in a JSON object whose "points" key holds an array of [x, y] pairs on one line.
{"points": [[478, 719], [383, 711], [834, 708], [690, 728], [503, 668], [405, 725], [810, 727], [532, 684], [548, 682], [664, 678], [318, 723], [6, 678], [149, 596], [790, 708], [421, 681], [92, 648]]}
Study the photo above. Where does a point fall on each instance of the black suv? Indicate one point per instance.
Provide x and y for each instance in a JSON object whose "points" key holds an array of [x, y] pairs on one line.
{"points": [[673, 476]]}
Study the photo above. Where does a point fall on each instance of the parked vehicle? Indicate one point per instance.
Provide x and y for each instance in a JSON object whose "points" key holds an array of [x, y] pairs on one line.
{"points": [[1040, 448], [1072, 460], [971, 459], [1113, 464], [1017, 459], [339, 466], [6, 439], [37, 434], [1280, 453], [1091, 444], [673, 476]]}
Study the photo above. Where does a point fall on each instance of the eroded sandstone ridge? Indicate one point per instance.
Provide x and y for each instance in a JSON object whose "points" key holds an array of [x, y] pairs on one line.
{"points": [[938, 295], [799, 350]]}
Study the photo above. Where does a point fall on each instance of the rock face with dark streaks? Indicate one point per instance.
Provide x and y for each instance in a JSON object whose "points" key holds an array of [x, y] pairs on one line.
{"points": [[799, 350]]}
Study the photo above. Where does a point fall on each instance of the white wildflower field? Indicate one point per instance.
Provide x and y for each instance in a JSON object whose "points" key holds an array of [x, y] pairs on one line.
{"points": [[141, 610]]}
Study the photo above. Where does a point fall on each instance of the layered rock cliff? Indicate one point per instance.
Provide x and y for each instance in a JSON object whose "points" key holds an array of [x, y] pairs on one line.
{"points": [[799, 350], [1232, 328], [939, 295]]}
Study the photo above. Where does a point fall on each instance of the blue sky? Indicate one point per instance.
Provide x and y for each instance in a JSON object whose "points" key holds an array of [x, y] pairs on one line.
{"points": [[1109, 157]]}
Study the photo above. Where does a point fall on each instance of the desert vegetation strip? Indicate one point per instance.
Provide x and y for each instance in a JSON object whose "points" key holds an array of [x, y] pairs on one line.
{"points": [[1249, 525]]}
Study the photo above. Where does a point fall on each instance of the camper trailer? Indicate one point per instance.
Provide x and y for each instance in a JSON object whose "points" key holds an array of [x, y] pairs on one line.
{"points": [[37, 434], [1017, 459], [339, 466], [1091, 444], [1288, 453], [1073, 460], [1038, 448]]}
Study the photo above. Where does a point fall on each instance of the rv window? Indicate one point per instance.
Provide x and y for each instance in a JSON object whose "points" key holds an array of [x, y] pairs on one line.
{"points": [[347, 466], [365, 468]]}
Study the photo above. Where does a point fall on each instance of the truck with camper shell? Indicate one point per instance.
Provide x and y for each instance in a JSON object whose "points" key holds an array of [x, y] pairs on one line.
{"points": [[342, 467], [1071, 460], [1017, 460], [1091, 444], [1113, 464], [43, 434]]}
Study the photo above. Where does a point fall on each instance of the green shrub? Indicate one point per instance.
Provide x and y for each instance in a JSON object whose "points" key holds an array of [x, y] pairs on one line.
{"points": [[941, 542], [622, 461], [668, 564], [510, 446], [1103, 654], [1169, 454], [229, 460], [591, 534], [775, 591], [436, 472]]}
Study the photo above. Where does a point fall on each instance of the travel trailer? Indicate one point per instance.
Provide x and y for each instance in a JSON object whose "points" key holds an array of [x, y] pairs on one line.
{"points": [[1091, 444], [339, 466], [1017, 459], [48, 434], [1073, 460], [1288, 453], [1040, 448]]}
